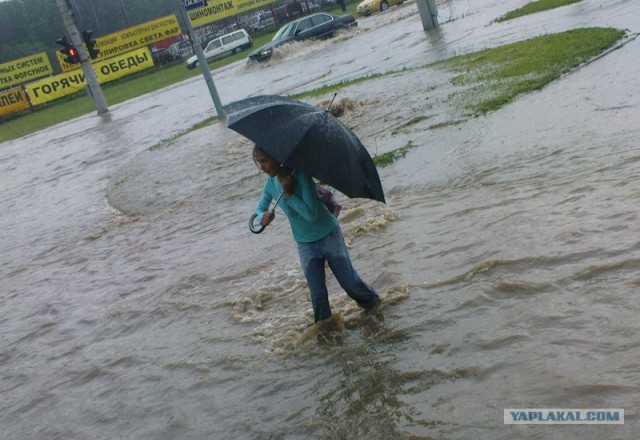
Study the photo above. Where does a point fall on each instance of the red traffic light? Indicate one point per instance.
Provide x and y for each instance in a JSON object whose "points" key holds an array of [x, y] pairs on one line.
{"points": [[70, 52]]}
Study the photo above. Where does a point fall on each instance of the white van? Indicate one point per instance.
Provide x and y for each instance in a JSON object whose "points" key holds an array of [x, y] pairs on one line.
{"points": [[223, 46]]}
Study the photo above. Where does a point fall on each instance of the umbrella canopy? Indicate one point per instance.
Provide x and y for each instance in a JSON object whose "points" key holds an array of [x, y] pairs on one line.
{"points": [[303, 137]]}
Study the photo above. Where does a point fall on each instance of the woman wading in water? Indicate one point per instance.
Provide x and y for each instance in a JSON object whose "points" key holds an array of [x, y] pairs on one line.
{"points": [[317, 234]]}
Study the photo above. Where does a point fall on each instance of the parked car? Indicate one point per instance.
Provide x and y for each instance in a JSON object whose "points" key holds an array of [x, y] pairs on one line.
{"points": [[261, 21], [320, 25], [161, 56], [181, 49], [369, 6], [223, 46]]}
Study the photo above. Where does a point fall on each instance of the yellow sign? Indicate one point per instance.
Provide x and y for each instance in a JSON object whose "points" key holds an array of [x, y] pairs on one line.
{"points": [[220, 9], [13, 100], [25, 69], [63, 64], [131, 38], [138, 36], [123, 65], [50, 89]]}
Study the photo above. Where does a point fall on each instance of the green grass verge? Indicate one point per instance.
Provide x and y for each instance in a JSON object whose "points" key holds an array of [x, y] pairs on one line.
{"points": [[385, 159], [535, 6], [409, 123], [321, 91], [197, 126], [498, 75]]}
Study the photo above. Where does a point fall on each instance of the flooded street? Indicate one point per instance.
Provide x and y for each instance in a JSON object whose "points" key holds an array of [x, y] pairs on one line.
{"points": [[136, 304]]}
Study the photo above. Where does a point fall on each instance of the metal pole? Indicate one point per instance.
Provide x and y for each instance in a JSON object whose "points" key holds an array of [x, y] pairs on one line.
{"points": [[428, 14], [204, 66], [90, 75]]}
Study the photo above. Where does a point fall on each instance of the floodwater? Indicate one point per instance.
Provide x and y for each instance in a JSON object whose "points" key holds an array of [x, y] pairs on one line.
{"points": [[135, 303]]}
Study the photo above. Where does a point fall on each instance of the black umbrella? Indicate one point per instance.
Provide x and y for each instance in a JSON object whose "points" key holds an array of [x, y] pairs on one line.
{"points": [[303, 137]]}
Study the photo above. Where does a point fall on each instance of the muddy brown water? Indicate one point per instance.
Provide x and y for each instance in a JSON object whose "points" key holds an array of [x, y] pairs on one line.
{"points": [[136, 304]]}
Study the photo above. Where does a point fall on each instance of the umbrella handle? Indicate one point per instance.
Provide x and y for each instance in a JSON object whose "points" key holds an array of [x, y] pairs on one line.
{"points": [[252, 227]]}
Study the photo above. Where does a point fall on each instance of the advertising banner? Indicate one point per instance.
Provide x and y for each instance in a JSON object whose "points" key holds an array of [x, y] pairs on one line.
{"points": [[217, 10], [66, 83], [12, 101], [131, 38], [24, 69]]}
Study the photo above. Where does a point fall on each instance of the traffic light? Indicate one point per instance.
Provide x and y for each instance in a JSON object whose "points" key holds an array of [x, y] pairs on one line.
{"points": [[70, 52], [90, 43]]}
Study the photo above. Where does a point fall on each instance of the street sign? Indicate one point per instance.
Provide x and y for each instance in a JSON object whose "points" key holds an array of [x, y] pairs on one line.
{"points": [[193, 4]]}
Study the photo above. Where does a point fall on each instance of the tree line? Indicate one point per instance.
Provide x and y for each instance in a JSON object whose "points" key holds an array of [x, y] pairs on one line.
{"points": [[32, 26]]}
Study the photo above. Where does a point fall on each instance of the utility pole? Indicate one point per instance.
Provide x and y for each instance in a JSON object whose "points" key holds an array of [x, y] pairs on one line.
{"points": [[428, 14], [93, 86], [204, 66]]}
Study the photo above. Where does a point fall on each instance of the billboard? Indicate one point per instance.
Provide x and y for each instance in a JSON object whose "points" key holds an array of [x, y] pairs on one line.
{"points": [[24, 69], [12, 101], [67, 83], [217, 10], [132, 38]]}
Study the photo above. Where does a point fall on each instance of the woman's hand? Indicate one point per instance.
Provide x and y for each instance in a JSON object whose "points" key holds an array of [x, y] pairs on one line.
{"points": [[287, 183], [266, 219]]}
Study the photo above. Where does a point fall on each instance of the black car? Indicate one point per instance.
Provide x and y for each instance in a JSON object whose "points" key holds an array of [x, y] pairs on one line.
{"points": [[162, 56], [321, 25]]}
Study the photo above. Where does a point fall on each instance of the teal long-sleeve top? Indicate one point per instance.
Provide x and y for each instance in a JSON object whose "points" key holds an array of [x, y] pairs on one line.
{"points": [[309, 218]]}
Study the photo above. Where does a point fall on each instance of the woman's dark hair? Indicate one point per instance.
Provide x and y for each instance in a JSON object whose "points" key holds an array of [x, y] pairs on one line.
{"points": [[256, 148]]}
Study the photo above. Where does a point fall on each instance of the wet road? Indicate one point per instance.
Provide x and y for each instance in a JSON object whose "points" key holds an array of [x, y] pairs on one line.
{"points": [[136, 305]]}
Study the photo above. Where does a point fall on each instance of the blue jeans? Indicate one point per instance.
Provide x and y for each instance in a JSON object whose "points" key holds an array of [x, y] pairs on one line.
{"points": [[333, 250]]}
